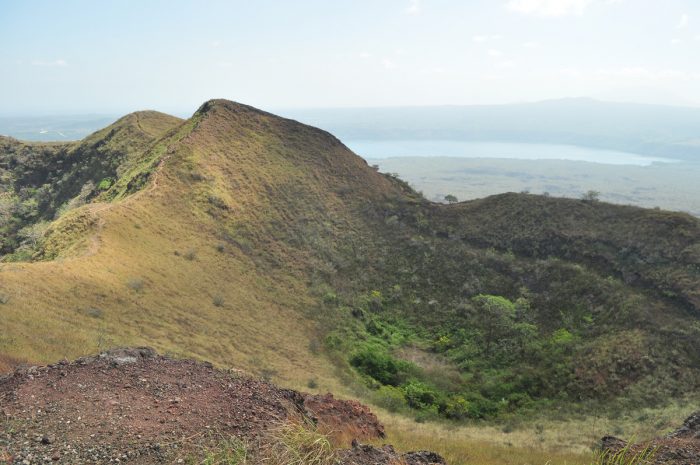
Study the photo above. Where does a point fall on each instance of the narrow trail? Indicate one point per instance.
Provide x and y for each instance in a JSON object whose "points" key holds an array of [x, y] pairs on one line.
{"points": [[97, 208]]}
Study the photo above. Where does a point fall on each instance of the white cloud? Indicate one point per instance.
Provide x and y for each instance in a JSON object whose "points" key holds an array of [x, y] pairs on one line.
{"points": [[676, 41], [485, 38], [552, 8], [570, 72], [388, 64], [506, 64], [54, 63], [494, 53], [215, 43], [225, 64], [435, 70], [683, 23], [413, 7], [365, 55], [629, 74], [530, 44]]}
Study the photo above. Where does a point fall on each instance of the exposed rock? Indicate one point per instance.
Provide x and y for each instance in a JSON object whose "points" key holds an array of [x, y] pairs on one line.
{"points": [[690, 428], [612, 443], [363, 454], [352, 417], [681, 447], [131, 405]]}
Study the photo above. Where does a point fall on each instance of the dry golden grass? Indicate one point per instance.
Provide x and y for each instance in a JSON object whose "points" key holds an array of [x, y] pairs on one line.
{"points": [[127, 280], [535, 442]]}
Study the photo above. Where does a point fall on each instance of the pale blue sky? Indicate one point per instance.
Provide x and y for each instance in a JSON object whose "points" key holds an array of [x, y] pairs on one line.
{"points": [[118, 56]]}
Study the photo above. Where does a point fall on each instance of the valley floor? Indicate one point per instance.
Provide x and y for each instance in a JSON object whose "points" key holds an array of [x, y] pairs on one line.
{"points": [[671, 186], [535, 442]]}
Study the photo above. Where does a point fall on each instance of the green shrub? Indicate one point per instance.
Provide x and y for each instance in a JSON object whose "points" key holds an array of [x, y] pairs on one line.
{"points": [[105, 184], [391, 398], [330, 298], [456, 408], [419, 396], [479, 407], [375, 363]]}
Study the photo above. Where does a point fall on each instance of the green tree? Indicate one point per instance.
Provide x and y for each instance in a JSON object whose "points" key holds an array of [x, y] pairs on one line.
{"points": [[495, 318], [449, 198], [591, 196]]}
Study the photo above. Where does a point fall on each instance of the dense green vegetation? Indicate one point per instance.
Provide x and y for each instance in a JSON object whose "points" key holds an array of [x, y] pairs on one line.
{"points": [[522, 302]]}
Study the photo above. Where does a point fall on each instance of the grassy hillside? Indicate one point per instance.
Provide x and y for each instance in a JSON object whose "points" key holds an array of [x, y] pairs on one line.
{"points": [[255, 241], [38, 182]]}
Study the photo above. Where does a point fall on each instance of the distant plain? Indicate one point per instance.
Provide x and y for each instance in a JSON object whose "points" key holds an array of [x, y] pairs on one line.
{"points": [[670, 186]]}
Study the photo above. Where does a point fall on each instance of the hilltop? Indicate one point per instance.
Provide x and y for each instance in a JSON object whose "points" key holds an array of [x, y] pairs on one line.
{"points": [[255, 241]]}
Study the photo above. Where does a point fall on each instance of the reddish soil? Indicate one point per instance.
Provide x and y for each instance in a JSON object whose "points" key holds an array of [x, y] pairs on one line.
{"points": [[134, 406]]}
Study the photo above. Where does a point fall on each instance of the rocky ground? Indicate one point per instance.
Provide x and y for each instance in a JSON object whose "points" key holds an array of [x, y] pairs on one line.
{"points": [[135, 406], [681, 447]]}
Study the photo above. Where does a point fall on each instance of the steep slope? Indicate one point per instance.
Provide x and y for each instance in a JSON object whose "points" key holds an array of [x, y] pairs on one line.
{"points": [[211, 260], [40, 181], [248, 239]]}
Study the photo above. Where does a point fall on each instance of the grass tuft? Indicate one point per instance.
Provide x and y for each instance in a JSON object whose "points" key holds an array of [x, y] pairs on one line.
{"points": [[299, 443], [625, 456]]}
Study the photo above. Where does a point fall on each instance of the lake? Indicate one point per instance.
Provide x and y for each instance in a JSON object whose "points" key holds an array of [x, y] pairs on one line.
{"points": [[373, 149]]}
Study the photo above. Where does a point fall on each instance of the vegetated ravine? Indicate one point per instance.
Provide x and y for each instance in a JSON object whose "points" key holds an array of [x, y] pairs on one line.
{"points": [[246, 238]]}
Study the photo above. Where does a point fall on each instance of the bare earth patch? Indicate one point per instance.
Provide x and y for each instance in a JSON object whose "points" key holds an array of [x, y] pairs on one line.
{"points": [[134, 406]]}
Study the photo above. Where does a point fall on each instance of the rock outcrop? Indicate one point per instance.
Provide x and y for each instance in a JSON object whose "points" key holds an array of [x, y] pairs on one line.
{"points": [[132, 405], [681, 447]]}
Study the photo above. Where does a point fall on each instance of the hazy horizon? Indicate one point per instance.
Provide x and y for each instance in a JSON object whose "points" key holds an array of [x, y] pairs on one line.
{"points": [[69, 58]]}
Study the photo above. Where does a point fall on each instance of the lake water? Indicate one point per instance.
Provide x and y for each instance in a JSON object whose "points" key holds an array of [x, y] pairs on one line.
{"points": [[463, 149]]}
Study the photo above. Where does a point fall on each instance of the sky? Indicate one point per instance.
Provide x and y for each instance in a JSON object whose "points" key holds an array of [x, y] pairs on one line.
{"points": [[73, 56]]}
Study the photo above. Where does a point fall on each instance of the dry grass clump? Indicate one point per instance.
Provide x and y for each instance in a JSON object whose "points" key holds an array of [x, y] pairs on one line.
{"points": [[298, 443], [626, 456], [293, 443]]}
